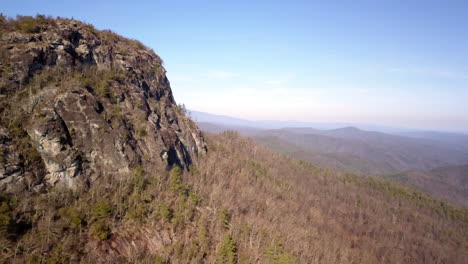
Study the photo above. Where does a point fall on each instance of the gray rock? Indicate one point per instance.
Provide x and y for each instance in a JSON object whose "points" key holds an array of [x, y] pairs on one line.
{"points": [[112, 109]]}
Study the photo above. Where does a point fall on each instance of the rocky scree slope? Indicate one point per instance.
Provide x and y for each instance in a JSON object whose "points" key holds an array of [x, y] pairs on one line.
{"points": [[77, 103]]}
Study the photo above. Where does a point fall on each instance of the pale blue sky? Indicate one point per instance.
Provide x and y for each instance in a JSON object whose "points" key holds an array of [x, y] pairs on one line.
{"points": [[399, 63]]}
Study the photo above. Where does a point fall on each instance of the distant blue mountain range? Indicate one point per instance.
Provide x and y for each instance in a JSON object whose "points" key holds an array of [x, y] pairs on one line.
{"points": [[203, 117]]}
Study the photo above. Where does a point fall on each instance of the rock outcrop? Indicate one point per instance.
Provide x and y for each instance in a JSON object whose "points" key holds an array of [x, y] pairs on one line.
{"points": [[77, 103]]}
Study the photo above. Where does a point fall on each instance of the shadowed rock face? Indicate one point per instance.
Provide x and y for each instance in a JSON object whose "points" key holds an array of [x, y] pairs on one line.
{"points": [[77, 103]]}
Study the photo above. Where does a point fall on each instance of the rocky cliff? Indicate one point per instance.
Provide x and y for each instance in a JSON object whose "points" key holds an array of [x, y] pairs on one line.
{"points": [[77, 103]]}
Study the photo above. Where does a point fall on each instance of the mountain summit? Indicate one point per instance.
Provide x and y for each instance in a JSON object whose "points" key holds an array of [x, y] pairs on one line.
{"points": [[77, 102]]}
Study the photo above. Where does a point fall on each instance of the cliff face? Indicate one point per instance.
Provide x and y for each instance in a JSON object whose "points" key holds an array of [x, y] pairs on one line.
{"points": [[77, 103]]}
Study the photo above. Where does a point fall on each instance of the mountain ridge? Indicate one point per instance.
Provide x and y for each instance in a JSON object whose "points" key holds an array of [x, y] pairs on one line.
{"points": [[199, 116]]}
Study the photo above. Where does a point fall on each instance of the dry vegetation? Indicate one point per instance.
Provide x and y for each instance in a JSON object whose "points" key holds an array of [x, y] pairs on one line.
{"points": [[25, 24], [327, 217], [241, 204], [40, 23]]}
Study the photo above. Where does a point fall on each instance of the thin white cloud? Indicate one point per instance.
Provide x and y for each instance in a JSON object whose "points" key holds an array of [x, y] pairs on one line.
{"points": [[220, 74], [430, 71]]}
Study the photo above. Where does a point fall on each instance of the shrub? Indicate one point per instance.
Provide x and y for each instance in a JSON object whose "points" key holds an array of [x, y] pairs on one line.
{"points": [[138, 172], [101, 210], [91, 27], [165, 212], [103, 89], [4, 207], [276, 253], [224, 218], [100, 230], [203, 237], [31, 24], [176, 182], [228, 251], [5, 212], [141, 131], [137, 212], [116, 111], [178, 219], [159, 260], [4, 223], [58, 256], [139, 182], [28, 25], [195, 198], [181, 109], [73, 216]]}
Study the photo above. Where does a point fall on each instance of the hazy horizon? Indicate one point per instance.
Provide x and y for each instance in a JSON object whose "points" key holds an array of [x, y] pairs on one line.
{"points": [[401, 64], [332, 125]]}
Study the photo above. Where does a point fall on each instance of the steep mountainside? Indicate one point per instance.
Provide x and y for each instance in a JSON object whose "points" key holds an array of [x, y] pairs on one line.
{"points": [[77, 102], [448, 182], [99, 165]]}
